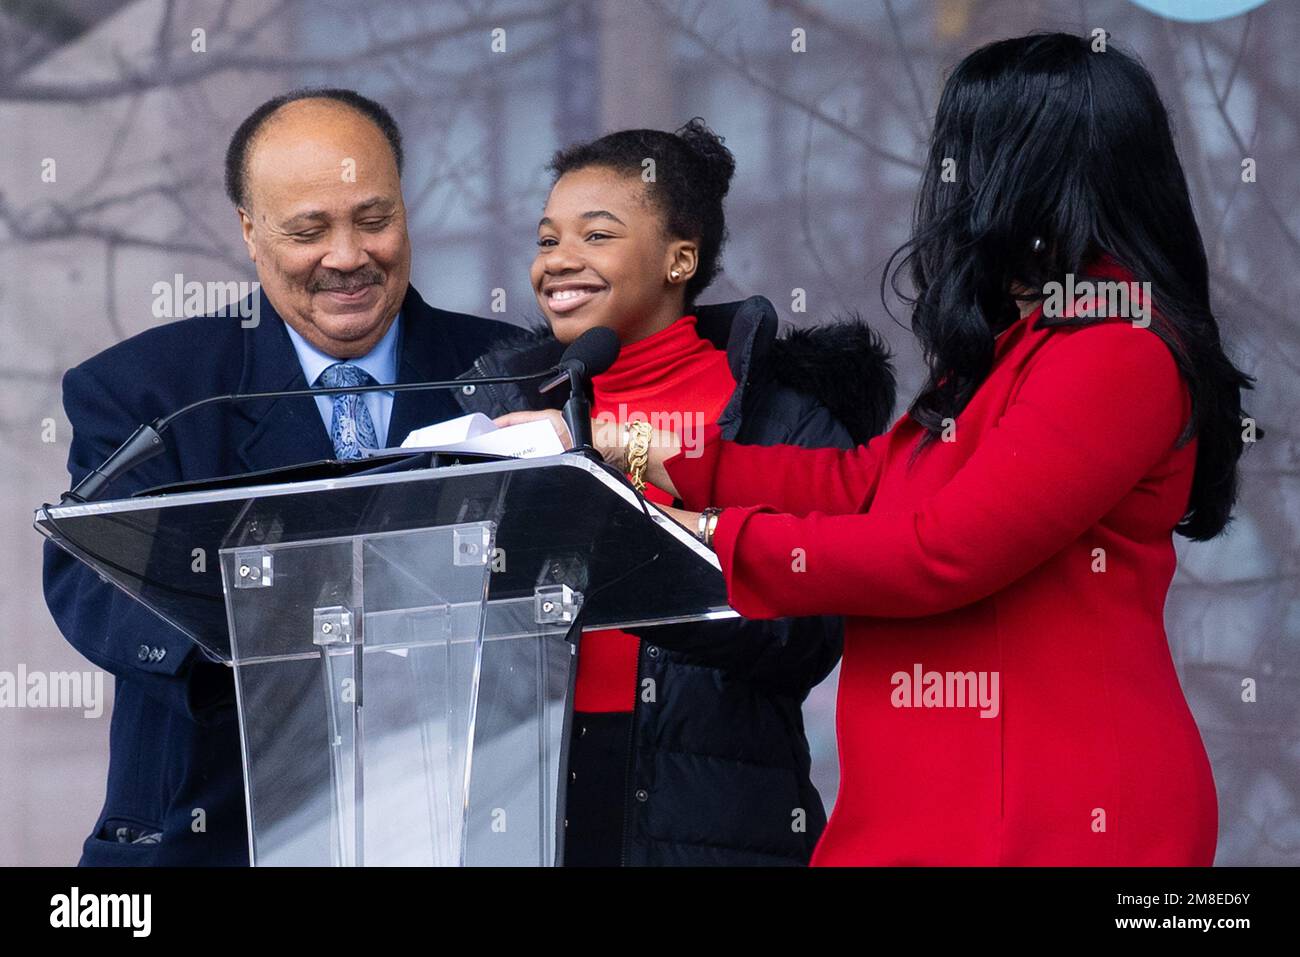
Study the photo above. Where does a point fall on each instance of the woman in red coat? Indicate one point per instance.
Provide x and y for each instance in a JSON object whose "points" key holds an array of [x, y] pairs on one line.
{"points": [[1003, 554]]}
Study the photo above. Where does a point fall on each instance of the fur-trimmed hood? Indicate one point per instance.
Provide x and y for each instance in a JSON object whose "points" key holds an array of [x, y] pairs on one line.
{"points": [[843, 365]]}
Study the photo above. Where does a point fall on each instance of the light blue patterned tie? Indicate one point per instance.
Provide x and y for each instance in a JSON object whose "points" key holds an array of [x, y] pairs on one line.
{"points": [[351, 428]]}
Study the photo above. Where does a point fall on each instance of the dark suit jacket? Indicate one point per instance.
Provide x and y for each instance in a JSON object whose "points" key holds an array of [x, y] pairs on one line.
{"points": [[174, 764]]}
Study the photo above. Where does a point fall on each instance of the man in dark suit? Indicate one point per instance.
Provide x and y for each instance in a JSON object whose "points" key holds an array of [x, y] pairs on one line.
{"points": [[315, 177]]}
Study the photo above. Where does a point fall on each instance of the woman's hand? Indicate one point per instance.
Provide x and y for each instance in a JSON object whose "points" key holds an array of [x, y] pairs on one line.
{"points": [[604, 438], [607, 437], [550, 415]]}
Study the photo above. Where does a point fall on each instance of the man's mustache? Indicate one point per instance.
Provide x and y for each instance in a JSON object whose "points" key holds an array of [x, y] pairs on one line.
{"points": [[346, 282]]}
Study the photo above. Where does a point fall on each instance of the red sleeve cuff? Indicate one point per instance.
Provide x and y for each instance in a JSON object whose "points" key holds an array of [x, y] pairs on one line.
{"points": [[726, 541]]}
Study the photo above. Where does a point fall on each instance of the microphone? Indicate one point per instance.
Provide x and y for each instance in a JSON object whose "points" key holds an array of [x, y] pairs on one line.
{"points": [[147, 440], [588, 356], [591, 353]]}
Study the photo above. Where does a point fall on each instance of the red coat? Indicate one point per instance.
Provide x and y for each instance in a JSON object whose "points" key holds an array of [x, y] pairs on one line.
{"points": [[1032, 553]]}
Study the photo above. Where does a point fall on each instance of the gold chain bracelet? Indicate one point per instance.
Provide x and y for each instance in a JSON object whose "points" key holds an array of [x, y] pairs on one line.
{"points": [[638, 452]]}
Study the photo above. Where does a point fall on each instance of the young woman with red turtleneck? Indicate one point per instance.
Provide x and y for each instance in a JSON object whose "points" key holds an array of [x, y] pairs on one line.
{"points": [[680, 757]]}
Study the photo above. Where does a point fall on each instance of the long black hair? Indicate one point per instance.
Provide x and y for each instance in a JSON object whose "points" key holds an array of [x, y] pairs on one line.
{"points": [[1041, 138], [692, 174]]}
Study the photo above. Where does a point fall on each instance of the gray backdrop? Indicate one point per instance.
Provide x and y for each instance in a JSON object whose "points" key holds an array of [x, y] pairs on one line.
{"points": [[829, 144]]}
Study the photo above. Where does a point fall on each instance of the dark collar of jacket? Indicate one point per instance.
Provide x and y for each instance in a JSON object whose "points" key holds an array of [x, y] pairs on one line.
{"points": [[435, 344], [843, 365]]}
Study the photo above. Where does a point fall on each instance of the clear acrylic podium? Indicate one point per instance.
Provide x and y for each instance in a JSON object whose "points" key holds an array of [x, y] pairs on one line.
{"points": [[403, 644]]}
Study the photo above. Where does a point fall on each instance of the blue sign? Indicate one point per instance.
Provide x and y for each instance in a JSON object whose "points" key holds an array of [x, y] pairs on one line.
{"points": [[1199, 11]]}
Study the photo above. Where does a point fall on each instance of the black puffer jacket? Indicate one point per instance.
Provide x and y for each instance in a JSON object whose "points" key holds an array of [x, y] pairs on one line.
{"points": [[720, 766]]}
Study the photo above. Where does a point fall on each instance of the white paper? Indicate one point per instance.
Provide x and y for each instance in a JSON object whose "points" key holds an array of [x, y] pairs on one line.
{"points": [[476, 433], [442, 434]]}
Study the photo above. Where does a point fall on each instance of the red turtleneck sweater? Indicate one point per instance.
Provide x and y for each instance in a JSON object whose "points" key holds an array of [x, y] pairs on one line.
{"points": [[679, 382]]}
